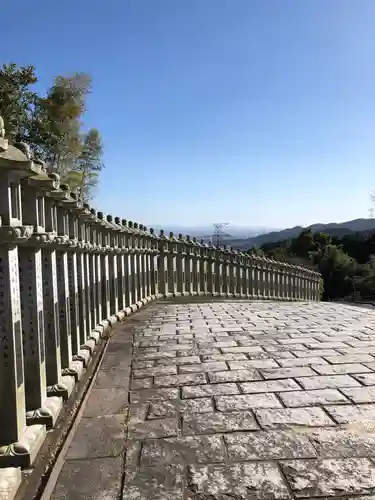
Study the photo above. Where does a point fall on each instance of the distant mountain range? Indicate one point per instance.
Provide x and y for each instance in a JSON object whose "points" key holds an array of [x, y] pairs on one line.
{"points": [[206, 232], [333, 228]]}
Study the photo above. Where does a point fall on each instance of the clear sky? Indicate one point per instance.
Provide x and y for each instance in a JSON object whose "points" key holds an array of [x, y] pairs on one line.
{"points": [[254, 112]]}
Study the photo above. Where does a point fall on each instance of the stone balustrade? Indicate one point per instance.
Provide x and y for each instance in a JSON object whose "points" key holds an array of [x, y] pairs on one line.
{"points": [[68, 273]]}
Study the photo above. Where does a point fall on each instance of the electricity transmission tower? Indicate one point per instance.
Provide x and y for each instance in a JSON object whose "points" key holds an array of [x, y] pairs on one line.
{"points": [[217, 237], [372, 206]]}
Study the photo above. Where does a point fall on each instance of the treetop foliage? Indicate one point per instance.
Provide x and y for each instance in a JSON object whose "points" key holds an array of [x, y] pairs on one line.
{"points": [[52, 125]]}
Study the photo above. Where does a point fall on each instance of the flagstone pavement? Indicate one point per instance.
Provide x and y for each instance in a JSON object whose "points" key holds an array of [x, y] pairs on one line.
{"points": [[230, 400]]}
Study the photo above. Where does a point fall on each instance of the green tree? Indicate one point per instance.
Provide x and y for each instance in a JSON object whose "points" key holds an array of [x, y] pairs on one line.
{"points": [[338, 271], [17, 100], [84, 176], [303, 244], [56, 134]]}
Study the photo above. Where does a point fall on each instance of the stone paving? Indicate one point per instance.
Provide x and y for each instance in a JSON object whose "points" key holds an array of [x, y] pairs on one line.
{"points": [[230, 401]]}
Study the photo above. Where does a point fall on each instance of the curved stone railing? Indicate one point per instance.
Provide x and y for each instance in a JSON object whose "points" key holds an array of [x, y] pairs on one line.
{"points": [[68, 273]]}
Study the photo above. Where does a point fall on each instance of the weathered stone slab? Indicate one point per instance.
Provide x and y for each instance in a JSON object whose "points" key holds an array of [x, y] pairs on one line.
{"points": [[98, 437], [200, 391], [293, 417], [210, 423], [183, 450], [260, 481], [157, 483], [316, 360], [158, 428], [341, 369], [252, 363], [148, 395], [101, 402], [246, 402], [234, 376], [96, 479], [358, 440], [328, 381], [278, 373], [347, 414], [314, 398], [179, 380], [360, 394], [281, 385], [170, 408], [269, 445], [203, 367], [155, 371], [330, 477]]}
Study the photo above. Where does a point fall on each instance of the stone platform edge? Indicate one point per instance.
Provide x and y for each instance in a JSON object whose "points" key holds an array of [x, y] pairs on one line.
{"points": [[17, 484]]}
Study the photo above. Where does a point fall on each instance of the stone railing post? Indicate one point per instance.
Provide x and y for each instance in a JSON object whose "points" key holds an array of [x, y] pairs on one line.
{"points": [[57, 385], [63, 279], [245, 290], [145, 263], [238, 272], [113, 265], [104, 265], [171, 265], [210, 269], [128, 264], [120, 264], [226, 272], [203, 261], [271, 278], [180, 266], [83, 276], [95, 269], [250, 275], [162, 264], [257, 277], [188, 266], [133, 250], [75, 272], [18, 443], [219, 271], [195, 266], [138, 270], [40, 409], [154, 264]]}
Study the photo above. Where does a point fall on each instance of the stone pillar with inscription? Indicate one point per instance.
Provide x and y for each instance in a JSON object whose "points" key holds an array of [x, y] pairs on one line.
{"points": [[18, 443], [188, 267], [104, 266], [194, 267], [75, 271], [57, 385], [133, 273], [142, 245], [114, 276], [84, 278], [171, 248], [162, 264], [138, 269], [218, 271], [153, 264], [120, 256], [238, 270], [210, 269], [179, 266], [40, 409], [226, 272], [203, 258]]}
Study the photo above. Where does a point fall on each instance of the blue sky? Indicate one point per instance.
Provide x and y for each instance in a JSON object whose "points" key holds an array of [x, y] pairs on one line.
{"points": [[254, 112]]}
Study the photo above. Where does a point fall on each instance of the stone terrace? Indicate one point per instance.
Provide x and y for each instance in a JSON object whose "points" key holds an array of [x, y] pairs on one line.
{"points": [[230, 400]]}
